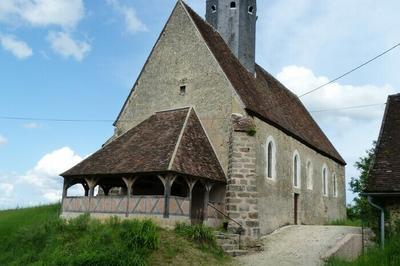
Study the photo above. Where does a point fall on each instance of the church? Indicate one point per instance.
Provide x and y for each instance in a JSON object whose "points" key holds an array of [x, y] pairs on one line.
{"points": [[207, 135]]}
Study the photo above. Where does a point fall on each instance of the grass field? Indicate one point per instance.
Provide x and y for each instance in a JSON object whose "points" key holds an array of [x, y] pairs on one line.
{"points": [[36, 236]]}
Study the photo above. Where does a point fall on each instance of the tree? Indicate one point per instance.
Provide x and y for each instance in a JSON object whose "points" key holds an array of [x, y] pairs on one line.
{"points": [[361, 208]]}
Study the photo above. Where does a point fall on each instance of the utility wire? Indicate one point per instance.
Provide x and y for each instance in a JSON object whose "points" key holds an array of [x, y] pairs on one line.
{"points": [[51, 119], [109, 120], [298, 97], [351, 71], [348, 108]]}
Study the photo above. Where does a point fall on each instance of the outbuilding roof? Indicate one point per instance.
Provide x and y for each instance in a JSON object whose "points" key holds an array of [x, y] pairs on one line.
{"points": [[168, 141], [264, 96], [384, 176]]}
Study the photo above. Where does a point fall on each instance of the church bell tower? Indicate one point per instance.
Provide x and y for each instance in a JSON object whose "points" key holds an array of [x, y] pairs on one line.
{"points": [[236, 22]]}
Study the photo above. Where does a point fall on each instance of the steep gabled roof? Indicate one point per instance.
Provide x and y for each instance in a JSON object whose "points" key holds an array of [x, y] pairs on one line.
{"points": [[264, 96], [169, 141], [385, 172]]}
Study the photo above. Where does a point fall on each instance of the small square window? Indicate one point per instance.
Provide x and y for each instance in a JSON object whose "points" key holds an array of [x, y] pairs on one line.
{"points": [[182, 90]]}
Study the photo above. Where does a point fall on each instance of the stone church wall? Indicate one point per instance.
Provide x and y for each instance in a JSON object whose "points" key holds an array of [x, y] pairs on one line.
{"points": [[276, 196], [242, 197], [181, 58]]}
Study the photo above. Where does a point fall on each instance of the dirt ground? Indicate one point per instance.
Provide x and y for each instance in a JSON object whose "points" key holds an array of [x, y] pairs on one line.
{"points": [[297, 245]]}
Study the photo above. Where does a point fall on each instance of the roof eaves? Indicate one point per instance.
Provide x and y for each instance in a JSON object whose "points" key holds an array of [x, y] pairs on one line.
{"points": [[289, 133]]}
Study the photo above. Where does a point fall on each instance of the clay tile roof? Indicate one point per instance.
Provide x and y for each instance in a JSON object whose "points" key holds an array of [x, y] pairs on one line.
{"points": [[169, 141], [265, 97], [385, 172]]}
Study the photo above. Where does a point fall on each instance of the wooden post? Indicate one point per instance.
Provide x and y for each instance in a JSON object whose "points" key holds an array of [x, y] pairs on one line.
{"points": [[129, 183], [92, 184], [64, 194], [191, 183], [168, 181], [208, 186]]}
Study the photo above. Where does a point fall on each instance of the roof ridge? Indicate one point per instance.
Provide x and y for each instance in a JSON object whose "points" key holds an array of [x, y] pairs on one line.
{"points": [[173, 109], [252, 92], [178, 142]]}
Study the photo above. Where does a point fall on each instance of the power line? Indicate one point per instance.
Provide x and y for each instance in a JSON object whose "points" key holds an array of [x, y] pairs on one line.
{"points": [[351, 71], [348, 108], [110, 120], [51, 119], [298, 97]]}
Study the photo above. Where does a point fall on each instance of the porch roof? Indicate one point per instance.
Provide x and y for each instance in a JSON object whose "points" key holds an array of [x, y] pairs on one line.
{"points": [[169, 141]]}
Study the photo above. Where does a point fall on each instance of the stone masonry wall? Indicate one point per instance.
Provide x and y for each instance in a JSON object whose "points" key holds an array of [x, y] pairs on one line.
{"points": [[241, 196], [392, 206]]}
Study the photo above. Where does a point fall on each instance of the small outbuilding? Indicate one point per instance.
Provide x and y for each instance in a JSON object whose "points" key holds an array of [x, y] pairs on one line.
{"points": [[165, 168], [383, 188]]}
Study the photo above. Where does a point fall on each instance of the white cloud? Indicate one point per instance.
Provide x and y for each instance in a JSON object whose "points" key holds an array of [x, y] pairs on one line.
{"points": [[31, 125], [132, 22], [6, 189], [62, 43], [45, 175], [65, 13], [3, 140], [18, 48], [336, 95]]}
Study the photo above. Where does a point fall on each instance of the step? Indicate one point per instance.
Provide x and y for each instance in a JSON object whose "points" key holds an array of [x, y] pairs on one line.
{"points": [[228, 247], [237, 252]]}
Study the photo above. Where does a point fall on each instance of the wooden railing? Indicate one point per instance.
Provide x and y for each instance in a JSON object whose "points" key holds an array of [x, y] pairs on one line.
{"points": [[151, 205]]}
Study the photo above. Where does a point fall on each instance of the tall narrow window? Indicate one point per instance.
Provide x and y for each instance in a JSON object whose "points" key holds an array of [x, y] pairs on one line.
{"points": [[309, 171], [335, 185], [270, 161], [296, 170], [269, 166], [325, 181]]}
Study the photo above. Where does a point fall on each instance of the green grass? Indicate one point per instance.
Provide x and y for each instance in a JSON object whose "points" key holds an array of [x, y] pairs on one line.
{"points": [[36, 236], [390, 256], [202, 236], [346, 222]]}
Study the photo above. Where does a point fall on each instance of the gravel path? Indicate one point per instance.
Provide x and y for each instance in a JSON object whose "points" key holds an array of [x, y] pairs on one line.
{"points": [[297, 245]]}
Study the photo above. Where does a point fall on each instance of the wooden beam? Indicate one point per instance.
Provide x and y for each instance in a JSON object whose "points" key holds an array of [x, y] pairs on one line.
{"points": [[168, 181], [129, 181], [208, 186]]}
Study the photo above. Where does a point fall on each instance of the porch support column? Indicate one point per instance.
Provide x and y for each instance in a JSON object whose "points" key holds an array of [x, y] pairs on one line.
{"points": [[129, 181], [106, 190], [191, 183], [64, 193], [92, 184], [208, 186], [168, 181]]}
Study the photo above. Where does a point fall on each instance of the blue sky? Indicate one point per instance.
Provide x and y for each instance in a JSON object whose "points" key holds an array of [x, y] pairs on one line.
{"points": [[79, 59]]}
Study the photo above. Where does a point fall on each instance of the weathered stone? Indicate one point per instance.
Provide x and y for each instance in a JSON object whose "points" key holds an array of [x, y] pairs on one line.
{"points": [[253, 215]]}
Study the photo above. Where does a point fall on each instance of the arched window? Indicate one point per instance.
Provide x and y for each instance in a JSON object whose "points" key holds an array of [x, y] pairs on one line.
{"points": [[309, 172], [214, 8], [325, 180], [270, 158], [233, 4], [296, 170], [335, 191]]}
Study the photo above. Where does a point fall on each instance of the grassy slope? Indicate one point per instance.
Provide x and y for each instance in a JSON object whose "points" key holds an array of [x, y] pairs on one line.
{"points": [[15, 224]]}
